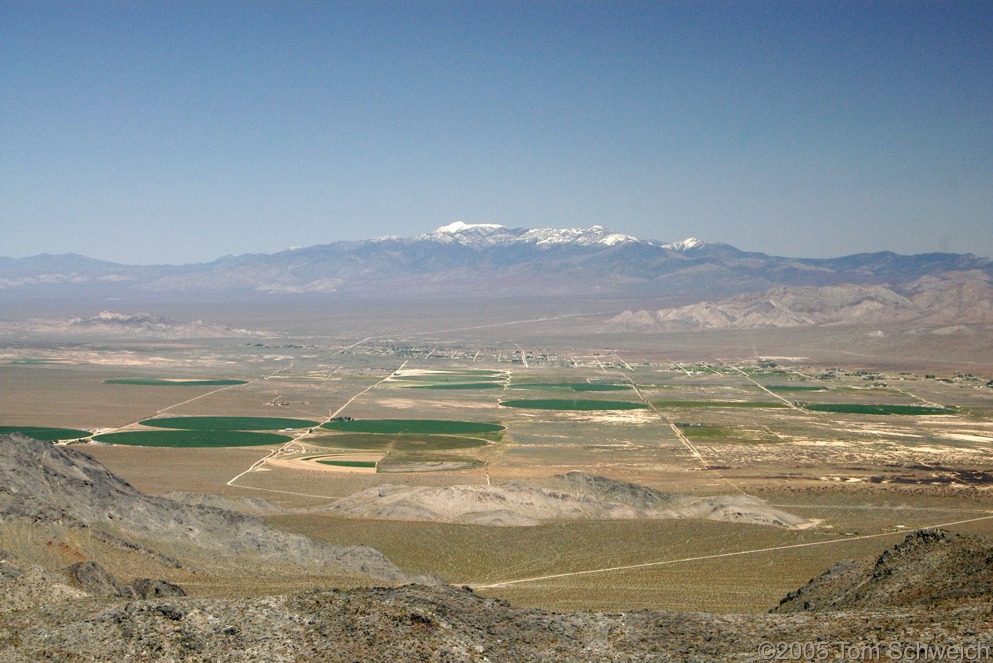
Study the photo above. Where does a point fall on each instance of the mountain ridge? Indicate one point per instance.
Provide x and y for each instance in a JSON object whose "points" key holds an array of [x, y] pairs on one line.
{"points": [[486, 260], [952, 298]]}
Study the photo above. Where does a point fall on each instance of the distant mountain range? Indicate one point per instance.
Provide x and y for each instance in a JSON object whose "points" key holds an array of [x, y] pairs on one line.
{"points": [[955, 298], [488, 260], [108, 324]]}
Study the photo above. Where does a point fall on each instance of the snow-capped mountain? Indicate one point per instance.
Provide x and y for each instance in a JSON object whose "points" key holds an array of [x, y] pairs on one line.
{"points": [[481, 260], [688, 244], [482, 235]]}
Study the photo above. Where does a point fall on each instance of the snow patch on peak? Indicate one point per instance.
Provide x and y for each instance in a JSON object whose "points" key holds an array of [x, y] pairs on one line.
{"points": [[594, 235], [685, 245], [459, 226], [473, 235], [485, 235]]}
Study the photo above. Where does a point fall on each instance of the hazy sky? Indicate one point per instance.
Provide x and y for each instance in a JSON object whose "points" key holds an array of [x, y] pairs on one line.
{"points": [[154, 132]]}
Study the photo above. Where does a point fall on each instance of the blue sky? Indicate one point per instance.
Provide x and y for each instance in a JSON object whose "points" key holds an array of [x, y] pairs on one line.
{"points": [[155, 132]]}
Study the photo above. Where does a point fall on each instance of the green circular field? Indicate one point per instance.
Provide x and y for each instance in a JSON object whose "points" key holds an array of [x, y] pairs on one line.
{"points": [[192, 438], [574, 386], [566, 404], [413, 426], [866, 408], [441, 379], [228, 423], [349, 463], [396, 442], [430, 463], [460, 385], [476, 374], [735, 404], [795, 387], [45, 433], [165, 382]]}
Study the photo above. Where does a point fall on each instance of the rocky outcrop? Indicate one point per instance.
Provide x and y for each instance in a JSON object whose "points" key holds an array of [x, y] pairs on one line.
{"points": [[253, 506], [151, 588], [62, 486], [927, 568], [94, 579], [34, 587], [417, 623]]}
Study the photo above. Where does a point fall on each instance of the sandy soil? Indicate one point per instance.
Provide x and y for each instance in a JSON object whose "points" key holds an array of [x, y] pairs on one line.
{"points": [[310, 462], [572, 496]]}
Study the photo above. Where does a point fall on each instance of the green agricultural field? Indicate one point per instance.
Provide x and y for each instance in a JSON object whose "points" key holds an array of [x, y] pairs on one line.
{"points": [[33, 362], [45, 433], [472, 372], [704, 432], [296, 378], [413, 426], [441, 378], [577, 404], [464, 385], [164, 382], [739, 404], [732, 434], [192, 438], [432, 420], [574, 386], [349, 463], [403, 442], [228, 423], [359, 441], [794, 387], [755, 372], [404, 463], [867, 408]]}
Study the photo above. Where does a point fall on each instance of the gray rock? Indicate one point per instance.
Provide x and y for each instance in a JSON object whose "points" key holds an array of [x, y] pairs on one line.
{"points": [[54, 484], [147, 588], [94, 579]]}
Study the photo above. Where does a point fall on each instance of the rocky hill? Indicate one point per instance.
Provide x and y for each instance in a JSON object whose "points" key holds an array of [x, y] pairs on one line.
{"points": [[49, 486], [574, 495], [56, 621], [929, 567]]}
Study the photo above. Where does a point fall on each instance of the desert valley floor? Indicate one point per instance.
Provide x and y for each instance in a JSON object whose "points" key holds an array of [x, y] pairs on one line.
{"points": [[821, 446]]}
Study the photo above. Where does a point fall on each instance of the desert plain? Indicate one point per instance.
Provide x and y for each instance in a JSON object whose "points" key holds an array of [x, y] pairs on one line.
{"points": [[436, 435]]}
